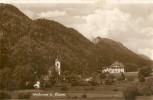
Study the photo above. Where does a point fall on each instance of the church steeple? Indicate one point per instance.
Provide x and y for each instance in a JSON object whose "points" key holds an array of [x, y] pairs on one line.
{"points": [[58, 66]]}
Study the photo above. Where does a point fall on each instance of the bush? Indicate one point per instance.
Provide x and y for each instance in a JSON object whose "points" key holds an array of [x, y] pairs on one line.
{"points": [[75, 97], [148, 87], [109, 82], [115, 89], [89, 88], [24, 96], [92, 88], [79, 83], [4, 95], [64, 88], [130, 93], [84, 96], [83, 83], [75, 83], [93, 83], [146, 91], [77, 89]]}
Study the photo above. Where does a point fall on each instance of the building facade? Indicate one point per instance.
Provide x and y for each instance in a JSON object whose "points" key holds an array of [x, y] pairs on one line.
{"points": [[116, 67]]}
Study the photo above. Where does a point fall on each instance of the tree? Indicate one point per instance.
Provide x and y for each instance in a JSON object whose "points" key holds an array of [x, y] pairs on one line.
{"points": [[85, 74], [28, 52], [146, 72], [67, 75], [110, 79], [130, 93], [148, 87], [142, 79], [23, 74], [5, 77], [121, 77], [130, 79], [4, 53], [102, 76], [111, 76], [54, 77], [73, 76]]}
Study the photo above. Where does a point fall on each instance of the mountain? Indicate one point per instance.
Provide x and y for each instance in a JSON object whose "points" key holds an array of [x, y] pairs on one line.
{"points": [[37, 43], [144, 57], [117, 51]]}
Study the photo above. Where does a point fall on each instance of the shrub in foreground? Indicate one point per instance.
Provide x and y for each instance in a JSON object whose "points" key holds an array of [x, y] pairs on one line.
{"points": [[4, 95], [115, 90], [93, 83], [64, 88], [148, 87], [130, 93], [79, 83], [89, 88], [24, 96], [84, 96]]}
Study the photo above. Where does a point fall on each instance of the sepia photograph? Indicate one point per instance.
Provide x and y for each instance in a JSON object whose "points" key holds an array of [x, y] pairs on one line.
{"points": [[76, 49]]}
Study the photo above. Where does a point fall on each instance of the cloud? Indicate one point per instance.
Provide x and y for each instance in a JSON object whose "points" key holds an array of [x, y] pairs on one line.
{"points": [[52, 14], [148, 52], [136, 33], [102, 21], [30, 14]]}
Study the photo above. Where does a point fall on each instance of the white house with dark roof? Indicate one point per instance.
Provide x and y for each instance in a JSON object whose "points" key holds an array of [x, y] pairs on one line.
{"points": [[116, 67]]}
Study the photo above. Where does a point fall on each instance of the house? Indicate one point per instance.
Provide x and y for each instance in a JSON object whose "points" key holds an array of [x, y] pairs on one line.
{"points": [[37, 85], [116, 67]]}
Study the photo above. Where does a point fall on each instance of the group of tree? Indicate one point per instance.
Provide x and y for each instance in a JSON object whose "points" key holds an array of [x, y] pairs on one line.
{"points": [[144, 72], [109, 78], [131, 92]]}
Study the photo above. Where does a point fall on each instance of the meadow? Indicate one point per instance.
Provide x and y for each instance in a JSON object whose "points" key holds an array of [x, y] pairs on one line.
{"points": [[111, 92], [100, 92]]}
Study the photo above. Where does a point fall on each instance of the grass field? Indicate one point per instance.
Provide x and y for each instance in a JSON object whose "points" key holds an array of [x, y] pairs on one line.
{"points": [[109, 92], [92, 93], [76, 93], [104, 92]]}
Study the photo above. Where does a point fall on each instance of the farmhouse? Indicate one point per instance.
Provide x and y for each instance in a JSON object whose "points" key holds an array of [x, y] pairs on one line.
{"points": [[116, 67]]}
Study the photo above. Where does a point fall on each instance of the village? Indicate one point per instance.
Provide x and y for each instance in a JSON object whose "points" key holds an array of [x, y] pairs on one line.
{"points": [[112, 81], [116, 68]]}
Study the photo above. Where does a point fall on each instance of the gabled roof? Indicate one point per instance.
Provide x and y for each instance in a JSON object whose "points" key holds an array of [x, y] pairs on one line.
{"points": [[116, 63]]}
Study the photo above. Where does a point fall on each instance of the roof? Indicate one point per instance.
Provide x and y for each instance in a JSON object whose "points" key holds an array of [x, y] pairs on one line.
{"points": [[116, 63], [51, 68]]}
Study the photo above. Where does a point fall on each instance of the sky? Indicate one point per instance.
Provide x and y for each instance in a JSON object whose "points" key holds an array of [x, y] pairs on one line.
{"points": [[130, 23]]}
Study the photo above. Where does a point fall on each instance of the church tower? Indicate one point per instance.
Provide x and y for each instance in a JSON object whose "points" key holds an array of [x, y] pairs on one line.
{"points": [[58, 66]]}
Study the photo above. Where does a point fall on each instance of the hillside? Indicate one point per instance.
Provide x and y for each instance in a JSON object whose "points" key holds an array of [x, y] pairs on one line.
{"points": [[117, 51], [37, 43]]}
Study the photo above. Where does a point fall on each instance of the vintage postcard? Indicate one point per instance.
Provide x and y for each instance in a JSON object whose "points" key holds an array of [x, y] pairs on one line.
{"points": [[76, 49]]}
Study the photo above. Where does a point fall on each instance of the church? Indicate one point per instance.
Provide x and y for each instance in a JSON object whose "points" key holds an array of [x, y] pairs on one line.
{"points": [[116, 67], [57, 68]]}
